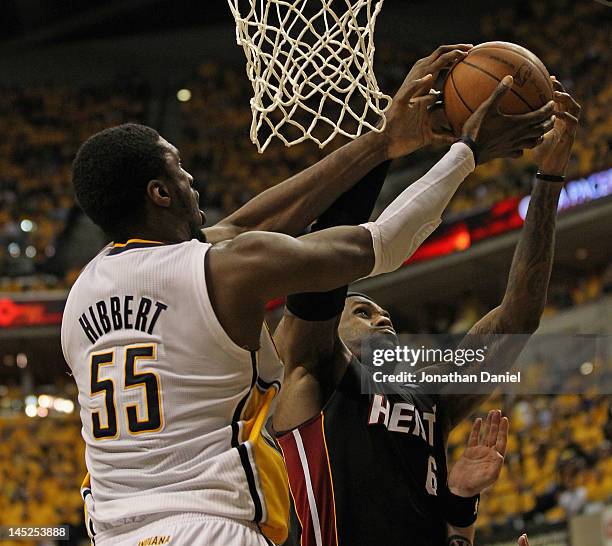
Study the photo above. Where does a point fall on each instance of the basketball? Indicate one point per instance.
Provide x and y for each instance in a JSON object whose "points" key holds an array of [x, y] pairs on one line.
{"points": [[473, 79]]}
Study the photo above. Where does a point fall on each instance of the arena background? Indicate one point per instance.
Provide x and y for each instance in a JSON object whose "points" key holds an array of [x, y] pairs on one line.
{"points": [[69, 69]]}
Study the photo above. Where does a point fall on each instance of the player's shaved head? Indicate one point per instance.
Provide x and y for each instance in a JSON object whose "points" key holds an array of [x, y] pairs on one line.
{"points": [[111, 171]]}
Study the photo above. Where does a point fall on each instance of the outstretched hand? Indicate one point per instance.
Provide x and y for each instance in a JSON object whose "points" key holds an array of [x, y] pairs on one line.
{"points": [[410, 123], [553, 154], [495, 134], [481, 462]]}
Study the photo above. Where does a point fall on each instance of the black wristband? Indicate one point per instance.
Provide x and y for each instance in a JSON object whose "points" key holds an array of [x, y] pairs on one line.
{"points": [[459, 511], [472, 145], [550, 177]]}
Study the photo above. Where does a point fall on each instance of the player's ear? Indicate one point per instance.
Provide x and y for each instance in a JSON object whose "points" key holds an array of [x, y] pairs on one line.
{"points": [[158, 192]]}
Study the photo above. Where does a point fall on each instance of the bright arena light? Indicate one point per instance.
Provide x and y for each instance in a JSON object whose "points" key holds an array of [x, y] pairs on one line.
{"points": [[183, 95], [45, 401], [22, 360], [31, 400], [14, 250], [30, 251], [30, 410], [586, 368], [42, 412], [27, 225], [67, 406]]}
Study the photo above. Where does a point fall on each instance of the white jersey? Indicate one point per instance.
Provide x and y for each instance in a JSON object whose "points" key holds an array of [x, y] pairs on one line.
{"points": [[173, 411]]}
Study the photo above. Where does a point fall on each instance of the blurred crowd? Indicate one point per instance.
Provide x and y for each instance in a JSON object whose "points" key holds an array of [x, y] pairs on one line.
{"points": [[558, 463], [460, 314], [42, 464], [42, 128]]}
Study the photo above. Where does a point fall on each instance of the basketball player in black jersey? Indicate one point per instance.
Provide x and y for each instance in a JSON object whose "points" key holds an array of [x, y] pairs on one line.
{"points": [[367, 469]]}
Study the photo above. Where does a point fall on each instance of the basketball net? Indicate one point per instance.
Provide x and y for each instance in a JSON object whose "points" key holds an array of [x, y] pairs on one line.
{"points": [[310, 63]]}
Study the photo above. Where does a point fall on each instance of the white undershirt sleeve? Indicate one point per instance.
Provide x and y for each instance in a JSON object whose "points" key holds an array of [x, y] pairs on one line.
{"points": [[417, 211]]}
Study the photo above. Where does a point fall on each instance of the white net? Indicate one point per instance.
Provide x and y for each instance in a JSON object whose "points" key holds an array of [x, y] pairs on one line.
{"points": [[311, 66]]}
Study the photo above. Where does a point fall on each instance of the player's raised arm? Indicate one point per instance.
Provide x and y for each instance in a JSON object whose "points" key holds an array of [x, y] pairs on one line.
{"points": [[525, 296], [289, 207], [258, 266]]}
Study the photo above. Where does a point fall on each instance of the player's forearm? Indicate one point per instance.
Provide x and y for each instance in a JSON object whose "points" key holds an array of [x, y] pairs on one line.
{"points": [[292, 205], [521, 308], [460, 536], [417, 211], [527, 287]]}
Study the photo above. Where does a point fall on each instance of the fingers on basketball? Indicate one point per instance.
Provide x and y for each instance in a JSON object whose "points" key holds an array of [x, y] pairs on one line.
{"points": [[443, 49], [412, 89], [568, 104], [537, 116], [447, 60], [498, 93], [422, 86]]}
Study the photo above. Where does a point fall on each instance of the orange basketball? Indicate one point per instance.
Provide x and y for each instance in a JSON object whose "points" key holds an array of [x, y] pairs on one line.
{"points": [[473, 79]]}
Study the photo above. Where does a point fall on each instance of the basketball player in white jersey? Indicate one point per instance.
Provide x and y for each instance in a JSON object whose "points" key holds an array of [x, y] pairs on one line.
{"points": [[164, 332]]}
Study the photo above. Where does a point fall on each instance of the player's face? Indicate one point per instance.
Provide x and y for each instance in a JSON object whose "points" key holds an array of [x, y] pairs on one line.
{"points": [[363, 319], [186, 196]]}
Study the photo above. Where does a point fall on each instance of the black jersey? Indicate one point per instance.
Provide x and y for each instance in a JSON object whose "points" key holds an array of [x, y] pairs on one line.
{"points": [[368, 470]]}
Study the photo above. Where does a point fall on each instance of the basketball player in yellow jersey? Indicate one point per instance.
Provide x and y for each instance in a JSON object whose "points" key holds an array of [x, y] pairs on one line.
{"points": [[163, 332]]}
